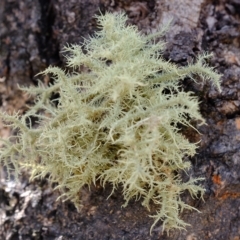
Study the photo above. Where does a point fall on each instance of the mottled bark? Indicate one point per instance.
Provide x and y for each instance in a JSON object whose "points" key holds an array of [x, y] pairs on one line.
{"points": [[32, 33]]}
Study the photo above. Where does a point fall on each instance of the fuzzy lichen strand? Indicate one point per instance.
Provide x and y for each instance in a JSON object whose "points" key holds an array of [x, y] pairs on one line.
{"points": [[116, 120]]}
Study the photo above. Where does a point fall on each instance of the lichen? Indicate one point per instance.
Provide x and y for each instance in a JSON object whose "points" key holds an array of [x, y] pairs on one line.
{"points": [[116, 120]]}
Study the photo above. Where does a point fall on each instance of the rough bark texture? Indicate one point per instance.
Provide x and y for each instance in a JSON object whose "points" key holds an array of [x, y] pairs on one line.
{"points": [[32, 32]]}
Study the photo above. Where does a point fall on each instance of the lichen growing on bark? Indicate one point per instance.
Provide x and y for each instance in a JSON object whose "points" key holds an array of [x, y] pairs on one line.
{"points": [[116, 121]]}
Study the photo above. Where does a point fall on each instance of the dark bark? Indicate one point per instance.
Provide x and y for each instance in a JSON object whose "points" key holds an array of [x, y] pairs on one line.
{"points": [[33, 33]]}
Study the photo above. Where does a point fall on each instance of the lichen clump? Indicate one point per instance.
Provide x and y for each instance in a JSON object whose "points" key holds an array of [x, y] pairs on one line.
{"points": [[116, 120]]}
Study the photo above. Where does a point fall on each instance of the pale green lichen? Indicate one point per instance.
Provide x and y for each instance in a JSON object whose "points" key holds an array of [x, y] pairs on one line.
{"points": [[117, 121]]}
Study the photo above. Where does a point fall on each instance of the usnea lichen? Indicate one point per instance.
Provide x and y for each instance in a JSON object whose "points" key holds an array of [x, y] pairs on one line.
{"points": [[116, 121]]}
